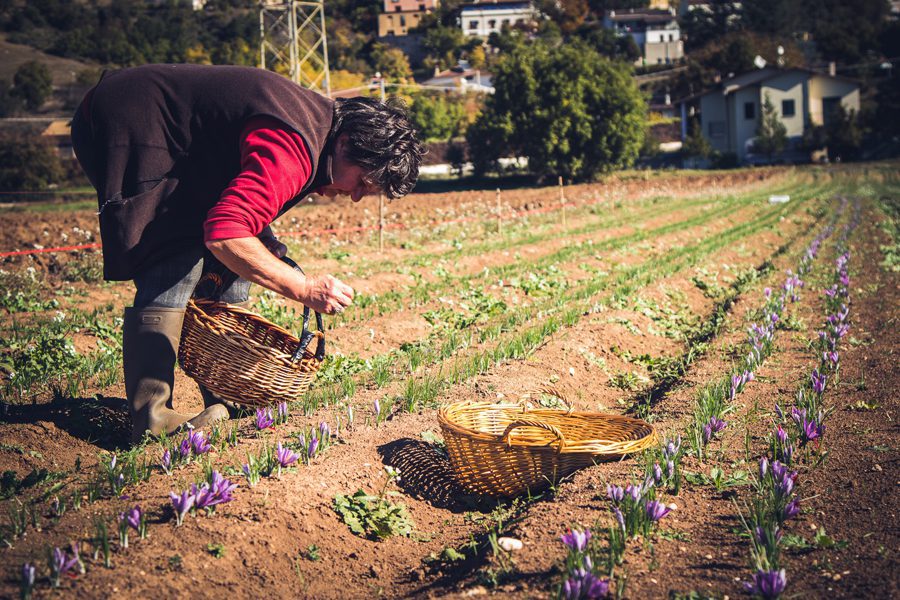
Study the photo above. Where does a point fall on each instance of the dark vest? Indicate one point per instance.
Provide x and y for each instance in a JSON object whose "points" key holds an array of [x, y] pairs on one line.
{"points": [[166, 142]]}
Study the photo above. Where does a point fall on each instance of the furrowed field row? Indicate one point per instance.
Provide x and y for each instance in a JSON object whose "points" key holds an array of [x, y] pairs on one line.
{"points": [[625, 284], [431, 350], [628, 213], [394, 300]]}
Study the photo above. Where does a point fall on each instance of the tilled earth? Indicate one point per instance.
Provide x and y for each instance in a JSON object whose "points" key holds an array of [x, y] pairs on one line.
{"points": [[681, 234]]}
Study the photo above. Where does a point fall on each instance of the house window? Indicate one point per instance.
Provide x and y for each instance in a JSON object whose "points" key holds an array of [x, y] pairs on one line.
{"points": [[473, 25], [749, 110], [504, 23], [398, 8], [492, 24], [787, 108], [422, 7], [402, 20]]}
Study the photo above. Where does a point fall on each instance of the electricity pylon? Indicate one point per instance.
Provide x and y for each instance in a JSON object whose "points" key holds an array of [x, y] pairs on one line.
{"points": [[293, 43]]}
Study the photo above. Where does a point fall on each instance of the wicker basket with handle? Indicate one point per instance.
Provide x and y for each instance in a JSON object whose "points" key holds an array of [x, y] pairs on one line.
{"points": [[244, 358], [508, 449]]}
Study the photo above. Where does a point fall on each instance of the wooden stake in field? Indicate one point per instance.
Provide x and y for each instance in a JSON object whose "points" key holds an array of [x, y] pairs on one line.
{"points": [[562, 201], [499, 220], [381, 222]]}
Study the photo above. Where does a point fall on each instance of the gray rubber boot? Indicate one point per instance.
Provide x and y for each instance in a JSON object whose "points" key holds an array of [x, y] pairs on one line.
{"points": [[149, 347]]}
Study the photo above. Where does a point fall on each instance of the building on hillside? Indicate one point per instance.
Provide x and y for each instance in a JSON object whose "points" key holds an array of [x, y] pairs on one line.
{"points": [[656, 33], [396, 21], [461, 78], [484, 17], [729, 114], [59, 133]]}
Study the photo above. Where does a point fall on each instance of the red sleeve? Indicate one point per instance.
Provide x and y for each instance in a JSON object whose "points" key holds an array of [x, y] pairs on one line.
{"points": [[275, 165]]}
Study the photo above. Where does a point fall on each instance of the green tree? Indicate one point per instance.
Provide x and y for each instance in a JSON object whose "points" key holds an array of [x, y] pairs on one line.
{"points": [[33, 84], [843, 134], [569, 110], [696, 145], [390, 62], [9, 102], [771, 134], [28, 163], [444, 45], [437, 118]]}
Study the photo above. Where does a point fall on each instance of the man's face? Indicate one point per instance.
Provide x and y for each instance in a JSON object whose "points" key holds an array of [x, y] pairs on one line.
{"points": [[349, 178]]}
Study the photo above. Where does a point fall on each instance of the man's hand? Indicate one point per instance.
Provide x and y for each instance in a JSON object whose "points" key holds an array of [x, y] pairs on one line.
{"points": [[326, 294]]}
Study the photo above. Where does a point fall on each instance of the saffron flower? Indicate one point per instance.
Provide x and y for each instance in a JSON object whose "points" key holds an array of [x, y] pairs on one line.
{"points": [[818, 381], [768, 584], [672, 448], [767, 538], [185, 448], [282, 412], [791, 510], [614, 493], [61, 564], [763, 467], [377, 410], [714, 426], [216, 491], [583, 584], [166, 462], [781, 435], [313, 446], [199, 443], [284, 456], [27, 580], [264, 418], [620, 518], [657, 473], [134, 518], [182, 504], [576, 540], [633, 491], [656, 510], [324, 431]]}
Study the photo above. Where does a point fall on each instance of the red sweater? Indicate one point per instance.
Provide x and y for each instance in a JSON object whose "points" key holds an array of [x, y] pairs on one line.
{"points": [[275, 165]]}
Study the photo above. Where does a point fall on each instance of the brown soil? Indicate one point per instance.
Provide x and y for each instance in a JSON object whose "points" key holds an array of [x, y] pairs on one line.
{"points": [[268, 530]]}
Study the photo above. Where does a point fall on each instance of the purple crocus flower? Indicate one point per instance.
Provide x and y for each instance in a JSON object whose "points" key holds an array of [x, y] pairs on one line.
{"points": [[673, 447], [264, 418], [656, 510], [576, 540], [134, 517], [818, 381], [199, 443], [217, 491], [614, 493], [714, 426], [763, 467], [182, 504], [28, 575], [830, 357], [657, 473], [184, 449], [791, 510], [781, 435], [284, 456], [670, 469], [377, 410], [768, 584], [166, 462], [313, 446], [766, 538], [620, 518], [324, 431], [633, 491], [282, 411], [583, 584], [59, 562], [767, 292]]}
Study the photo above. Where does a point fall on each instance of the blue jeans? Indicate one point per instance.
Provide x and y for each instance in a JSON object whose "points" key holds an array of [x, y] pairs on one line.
{"points": [[170, 283]]}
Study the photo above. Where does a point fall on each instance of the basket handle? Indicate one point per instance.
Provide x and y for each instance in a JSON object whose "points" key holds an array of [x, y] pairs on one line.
{"points": [[504, 437], [306, 336]]}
